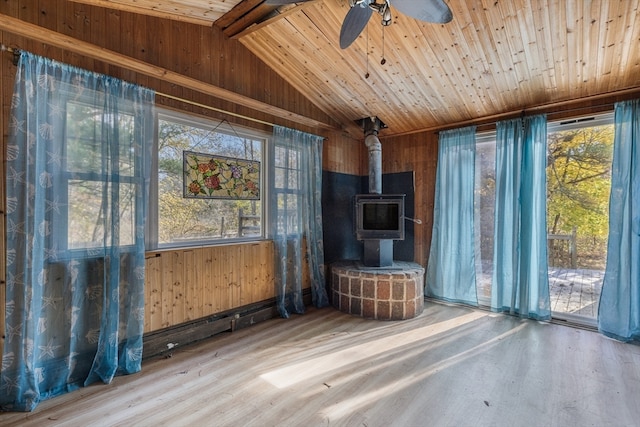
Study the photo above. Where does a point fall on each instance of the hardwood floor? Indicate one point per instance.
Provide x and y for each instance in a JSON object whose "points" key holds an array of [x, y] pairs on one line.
{"points": [[451, 366]]}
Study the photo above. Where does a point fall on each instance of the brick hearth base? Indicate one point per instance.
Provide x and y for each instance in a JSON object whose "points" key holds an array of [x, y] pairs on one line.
{"points": [[394, 293]]}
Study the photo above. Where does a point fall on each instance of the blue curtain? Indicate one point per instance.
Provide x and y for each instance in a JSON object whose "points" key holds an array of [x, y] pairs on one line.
{"points": [[77, 175], [296, 218], [619, 310], [451, 273], [520, 282]]}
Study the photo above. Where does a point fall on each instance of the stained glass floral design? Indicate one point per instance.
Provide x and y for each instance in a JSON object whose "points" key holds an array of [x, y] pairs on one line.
{"points": [[218, 177]]}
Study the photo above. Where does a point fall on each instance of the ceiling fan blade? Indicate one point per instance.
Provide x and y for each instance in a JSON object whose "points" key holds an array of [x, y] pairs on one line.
{"points": [[434, 11], [353, 24]]}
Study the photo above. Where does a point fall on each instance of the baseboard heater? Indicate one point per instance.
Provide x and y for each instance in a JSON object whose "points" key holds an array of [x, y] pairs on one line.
{"points": [[165, 341]]}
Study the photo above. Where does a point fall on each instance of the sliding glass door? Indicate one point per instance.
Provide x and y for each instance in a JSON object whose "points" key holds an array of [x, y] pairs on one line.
{"points": [[579, 154]]}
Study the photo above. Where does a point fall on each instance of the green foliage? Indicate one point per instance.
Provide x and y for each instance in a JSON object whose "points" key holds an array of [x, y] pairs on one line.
{"points": [[181, 217], [579, 180], [578, 186]]}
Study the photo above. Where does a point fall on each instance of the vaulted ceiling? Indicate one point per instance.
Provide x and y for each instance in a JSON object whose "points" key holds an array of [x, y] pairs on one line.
{"points": [[496, 56]]}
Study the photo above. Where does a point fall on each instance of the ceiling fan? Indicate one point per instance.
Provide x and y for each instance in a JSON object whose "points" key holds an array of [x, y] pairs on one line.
{"points": [[434, 11]]}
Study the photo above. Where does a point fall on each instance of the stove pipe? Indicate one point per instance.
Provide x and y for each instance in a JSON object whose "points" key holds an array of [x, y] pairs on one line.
{"points": [[371, 127], [377, 252], [375, 162]]}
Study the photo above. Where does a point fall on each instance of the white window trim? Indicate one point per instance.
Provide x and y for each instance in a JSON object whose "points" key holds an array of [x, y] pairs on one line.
{"points": [[577, 122], [570, 123], [152, 224]]}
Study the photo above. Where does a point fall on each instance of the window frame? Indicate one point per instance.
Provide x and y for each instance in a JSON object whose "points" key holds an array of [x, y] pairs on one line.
{"points": [[60, 232], [204, 123], [293, 229]]}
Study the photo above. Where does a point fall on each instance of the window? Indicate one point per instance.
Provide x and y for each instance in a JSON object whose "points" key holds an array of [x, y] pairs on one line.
{"points": [[88, 172], [184, 221], [287, 189]]}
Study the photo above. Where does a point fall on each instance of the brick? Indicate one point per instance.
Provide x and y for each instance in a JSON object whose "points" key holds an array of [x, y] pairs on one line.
{"points": [[356, 306], [344, 303], [383, 310], [397, 311], [398, 290], [356, 287], [369, 289], [378, 295], [344, 284], [409, 309], [419, 290], [368, 308], [410, 289], [383, 290]]}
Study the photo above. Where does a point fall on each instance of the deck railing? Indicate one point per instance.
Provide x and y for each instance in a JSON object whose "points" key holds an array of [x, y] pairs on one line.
{"points": [[555, 252]]}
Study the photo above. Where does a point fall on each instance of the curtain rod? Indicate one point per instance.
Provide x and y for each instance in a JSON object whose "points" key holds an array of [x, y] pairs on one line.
{"points": [[540, 109], [218, 110], [478, 122], [175, 98], [16, 52]]}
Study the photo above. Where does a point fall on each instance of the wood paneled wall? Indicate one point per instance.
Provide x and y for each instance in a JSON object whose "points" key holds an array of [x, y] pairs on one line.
{"points": [[343, 154], [188, 284], [417, 153], [195, 51]]}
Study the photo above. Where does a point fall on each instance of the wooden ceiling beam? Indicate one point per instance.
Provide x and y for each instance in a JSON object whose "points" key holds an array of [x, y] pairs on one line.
{"points": [[136, 8], [34, 32], [247, 20], [275, 15], [237, 12]]}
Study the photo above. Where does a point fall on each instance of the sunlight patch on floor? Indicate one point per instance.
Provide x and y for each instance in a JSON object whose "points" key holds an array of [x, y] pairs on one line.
{"points": [[303, 371], [361, 400]]}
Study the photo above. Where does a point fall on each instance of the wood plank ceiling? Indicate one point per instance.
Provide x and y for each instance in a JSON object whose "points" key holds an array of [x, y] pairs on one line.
{"points": [[496, 56]]}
